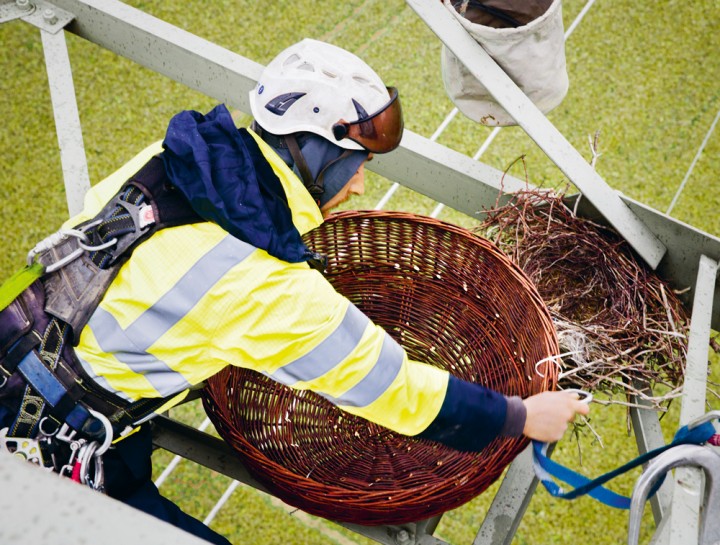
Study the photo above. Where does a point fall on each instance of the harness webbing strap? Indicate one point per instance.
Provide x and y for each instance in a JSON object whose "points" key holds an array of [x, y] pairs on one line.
{"points": [[18, 351], [546, 469], [43, 386], [27, 417], [56, 386], [40, 378]]}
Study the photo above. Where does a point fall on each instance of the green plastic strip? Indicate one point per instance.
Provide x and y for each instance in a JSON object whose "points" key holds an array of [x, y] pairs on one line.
{"points": [[18, 282]]}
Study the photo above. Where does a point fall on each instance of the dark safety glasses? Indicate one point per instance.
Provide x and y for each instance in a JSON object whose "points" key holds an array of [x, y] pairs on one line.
{"points": [[377, 133]]}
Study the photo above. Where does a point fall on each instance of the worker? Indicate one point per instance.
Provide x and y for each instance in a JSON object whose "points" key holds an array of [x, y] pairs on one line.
{"points": [[215, 273]]}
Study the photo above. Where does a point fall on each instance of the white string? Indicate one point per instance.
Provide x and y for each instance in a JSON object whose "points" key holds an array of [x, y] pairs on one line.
{"points": [[555, 360], [692, 165], [221, 502]]}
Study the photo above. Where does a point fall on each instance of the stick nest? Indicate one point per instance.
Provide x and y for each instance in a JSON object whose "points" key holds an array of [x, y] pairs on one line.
{"points": [[624, 329]]}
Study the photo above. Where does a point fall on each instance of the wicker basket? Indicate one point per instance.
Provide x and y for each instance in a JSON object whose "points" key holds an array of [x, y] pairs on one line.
{"points": [[450, 299]]}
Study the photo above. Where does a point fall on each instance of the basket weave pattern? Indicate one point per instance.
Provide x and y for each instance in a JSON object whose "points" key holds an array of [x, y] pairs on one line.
{"points": [[451, 299]]}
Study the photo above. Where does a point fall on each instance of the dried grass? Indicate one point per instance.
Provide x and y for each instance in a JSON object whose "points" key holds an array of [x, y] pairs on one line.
{"points": [[622, 328]]}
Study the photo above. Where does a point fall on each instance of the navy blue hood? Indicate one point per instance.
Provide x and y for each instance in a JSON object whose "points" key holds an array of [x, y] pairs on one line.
{"points": [[227, 180]]}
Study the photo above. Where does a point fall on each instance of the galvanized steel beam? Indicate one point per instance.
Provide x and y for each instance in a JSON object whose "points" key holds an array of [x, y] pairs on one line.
{"points": [[682, 522], [51, 21], [510, 502], [446, 176], [41, 507], [696, 369], [687, 493], [202, 448], [67, 120], [164, 48], [39, 13], [649, 436]]}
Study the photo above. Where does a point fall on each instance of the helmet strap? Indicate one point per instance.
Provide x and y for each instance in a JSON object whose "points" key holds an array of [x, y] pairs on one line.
{"points": [[315, 189], [320, 180], [314, 185], [290, 142]]}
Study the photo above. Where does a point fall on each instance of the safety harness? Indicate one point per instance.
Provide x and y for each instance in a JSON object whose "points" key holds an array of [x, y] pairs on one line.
{"points": [[63, 420]]}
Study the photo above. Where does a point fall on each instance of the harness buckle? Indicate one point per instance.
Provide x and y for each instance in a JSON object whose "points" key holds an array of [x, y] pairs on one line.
{"points": [[23, 447], [142, 216]]}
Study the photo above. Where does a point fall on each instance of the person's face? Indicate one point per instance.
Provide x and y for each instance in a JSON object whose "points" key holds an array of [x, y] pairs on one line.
{"points": [[354, 186]]}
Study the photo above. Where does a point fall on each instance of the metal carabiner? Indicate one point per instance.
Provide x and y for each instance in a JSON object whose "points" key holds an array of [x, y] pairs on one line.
{"points": [[61, 236], [585, 397], [90, 455], [87, 452], [75, 448], [54, 240], [43, 431], [98, 483]]}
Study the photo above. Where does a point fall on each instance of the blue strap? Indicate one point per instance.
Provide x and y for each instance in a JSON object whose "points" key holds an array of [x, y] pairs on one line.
{"points": [[546, 469], [40, 377], [52, 390]]}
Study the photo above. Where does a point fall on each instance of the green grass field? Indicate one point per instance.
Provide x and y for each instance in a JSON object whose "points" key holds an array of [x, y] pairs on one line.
{"points": [[644, 74]]}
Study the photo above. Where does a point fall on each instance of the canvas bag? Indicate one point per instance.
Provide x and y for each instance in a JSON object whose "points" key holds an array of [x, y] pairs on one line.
{"points": [[533, 55]]}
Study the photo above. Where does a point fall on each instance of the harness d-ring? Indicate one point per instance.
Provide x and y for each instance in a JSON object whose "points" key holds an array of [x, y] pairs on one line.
{"points": [[108, 432], [4, 382], [42, 430]]}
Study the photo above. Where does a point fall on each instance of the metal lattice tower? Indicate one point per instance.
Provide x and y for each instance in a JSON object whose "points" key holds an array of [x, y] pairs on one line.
{"points": [[681, 254]]}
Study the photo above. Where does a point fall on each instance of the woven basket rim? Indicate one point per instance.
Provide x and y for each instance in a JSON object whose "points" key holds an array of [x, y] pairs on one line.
{"points": [[335, 500]]}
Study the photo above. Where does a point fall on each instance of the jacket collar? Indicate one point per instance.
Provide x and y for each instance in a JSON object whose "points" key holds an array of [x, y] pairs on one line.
{"points": [[305, 212]]}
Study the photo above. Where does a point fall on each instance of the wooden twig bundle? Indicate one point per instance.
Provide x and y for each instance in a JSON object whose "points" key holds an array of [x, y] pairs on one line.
{"points": [[625, 330]]}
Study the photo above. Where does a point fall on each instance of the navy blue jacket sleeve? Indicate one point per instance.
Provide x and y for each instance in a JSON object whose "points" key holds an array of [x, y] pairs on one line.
{"points": [[471, 416]]}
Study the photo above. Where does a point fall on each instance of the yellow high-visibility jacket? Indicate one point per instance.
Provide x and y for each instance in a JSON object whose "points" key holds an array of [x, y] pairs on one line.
{"points": [[194, 299]]}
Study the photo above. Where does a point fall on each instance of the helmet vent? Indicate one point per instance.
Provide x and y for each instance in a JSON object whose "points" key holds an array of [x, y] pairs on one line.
{"points": [[307, 67], [280, 104], [332, 75], [291, 59]]}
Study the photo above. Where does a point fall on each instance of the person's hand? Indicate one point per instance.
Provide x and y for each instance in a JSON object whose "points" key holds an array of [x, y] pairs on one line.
{"points": [[549, 413]]}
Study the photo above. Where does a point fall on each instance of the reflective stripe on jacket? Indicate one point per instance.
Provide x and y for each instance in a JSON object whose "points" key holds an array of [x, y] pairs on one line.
{"points": [[193, 299]]}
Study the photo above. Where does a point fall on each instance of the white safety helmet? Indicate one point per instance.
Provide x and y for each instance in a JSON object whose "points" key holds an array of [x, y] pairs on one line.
{"points": [[316, 87]]}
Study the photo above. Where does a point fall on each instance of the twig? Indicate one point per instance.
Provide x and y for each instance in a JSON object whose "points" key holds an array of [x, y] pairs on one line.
{"points": [[618, 315]]}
